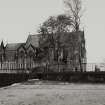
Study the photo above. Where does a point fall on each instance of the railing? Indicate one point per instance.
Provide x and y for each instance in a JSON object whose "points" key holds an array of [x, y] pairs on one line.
{"points": [[13, 71], [13, 67], [93, 66], [87, 67]]}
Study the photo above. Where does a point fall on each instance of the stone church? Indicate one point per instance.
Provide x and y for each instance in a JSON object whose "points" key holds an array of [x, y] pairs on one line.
{"points": [[19, 55], [69, 51], [65, 51]]}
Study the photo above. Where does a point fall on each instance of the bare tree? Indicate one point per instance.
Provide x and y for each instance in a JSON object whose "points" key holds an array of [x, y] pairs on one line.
{"points": [[56, 24], [50, 28], [74, 9], [53, 25]]}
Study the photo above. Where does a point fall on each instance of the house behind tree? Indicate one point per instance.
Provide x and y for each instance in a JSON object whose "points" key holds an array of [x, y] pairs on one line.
{"points": [[67, 50]]}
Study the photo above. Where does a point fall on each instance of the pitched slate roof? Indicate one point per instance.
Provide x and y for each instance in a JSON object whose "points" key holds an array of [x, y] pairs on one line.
{"points": [[13, 46], [66, 38], [33, 40], [74, 37]]}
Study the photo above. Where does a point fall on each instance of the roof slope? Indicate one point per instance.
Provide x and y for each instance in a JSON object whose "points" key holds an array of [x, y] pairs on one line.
{"points": [[13, 46], [33, 40], [71, 38], [65, 38]]}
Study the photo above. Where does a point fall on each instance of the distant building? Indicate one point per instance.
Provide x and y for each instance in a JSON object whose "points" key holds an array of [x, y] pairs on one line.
{"points": [[67, 51]]}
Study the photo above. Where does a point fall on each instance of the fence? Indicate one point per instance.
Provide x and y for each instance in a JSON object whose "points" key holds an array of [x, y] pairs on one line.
{"points": [[91, 66], [13, 67]]}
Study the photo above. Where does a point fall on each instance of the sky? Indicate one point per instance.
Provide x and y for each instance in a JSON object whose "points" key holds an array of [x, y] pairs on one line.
{"points": [[18, 18]]}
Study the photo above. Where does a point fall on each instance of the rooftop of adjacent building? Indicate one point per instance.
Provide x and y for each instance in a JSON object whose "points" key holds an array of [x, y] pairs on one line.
{"points": [[33, 39]]}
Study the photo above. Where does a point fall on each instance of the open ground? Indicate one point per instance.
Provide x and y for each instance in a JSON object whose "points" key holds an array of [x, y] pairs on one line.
{"points": [[35, 92]]}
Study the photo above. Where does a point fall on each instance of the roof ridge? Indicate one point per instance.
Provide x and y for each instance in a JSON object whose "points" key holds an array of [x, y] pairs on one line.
{"points": [[14, 43]]}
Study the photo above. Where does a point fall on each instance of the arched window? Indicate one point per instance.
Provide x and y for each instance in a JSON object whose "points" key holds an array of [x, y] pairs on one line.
{"points": [[21, 59], [30, 54], [22, 54], [65, 54]]}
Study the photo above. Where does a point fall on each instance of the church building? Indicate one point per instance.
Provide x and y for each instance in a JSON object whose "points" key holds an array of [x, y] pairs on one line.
{"points": [[19, 55], [67, 51]]}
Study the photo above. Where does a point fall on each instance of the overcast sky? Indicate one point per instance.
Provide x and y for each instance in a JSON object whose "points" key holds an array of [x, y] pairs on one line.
{"points": [[19, 17]]}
